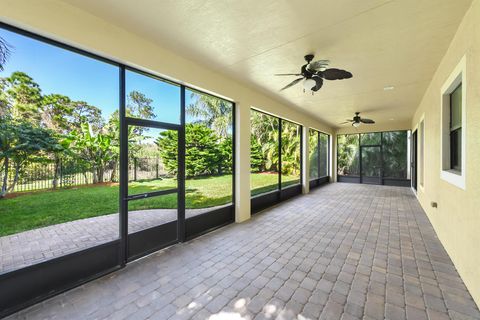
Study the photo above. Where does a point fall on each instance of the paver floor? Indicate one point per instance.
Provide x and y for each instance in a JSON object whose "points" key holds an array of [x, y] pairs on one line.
{"points": [[344, 251], [38, 245]]}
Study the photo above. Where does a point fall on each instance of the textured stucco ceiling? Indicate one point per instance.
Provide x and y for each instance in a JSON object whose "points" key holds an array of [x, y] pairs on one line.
{"points": [[382, 42]]}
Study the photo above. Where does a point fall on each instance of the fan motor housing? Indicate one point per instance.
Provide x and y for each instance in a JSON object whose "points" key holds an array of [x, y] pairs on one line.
{"points": [[307, 74]]}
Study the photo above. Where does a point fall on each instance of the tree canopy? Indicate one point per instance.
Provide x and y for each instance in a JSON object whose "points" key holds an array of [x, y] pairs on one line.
{"points": [[211, 111], [48, 127], [264, 144], [77, 131], [4, 52]]}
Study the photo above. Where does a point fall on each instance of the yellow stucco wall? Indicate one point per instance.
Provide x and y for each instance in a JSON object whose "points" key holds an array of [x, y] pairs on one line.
{"points": [[457, 218]]}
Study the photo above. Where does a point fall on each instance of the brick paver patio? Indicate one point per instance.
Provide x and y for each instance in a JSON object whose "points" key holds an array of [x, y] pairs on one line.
{"points": [[344, 251], [34, 246]]}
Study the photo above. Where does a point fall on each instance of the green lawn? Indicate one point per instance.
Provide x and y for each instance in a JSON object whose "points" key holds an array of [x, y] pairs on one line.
{"points": [[265, 182], [44, 208]]}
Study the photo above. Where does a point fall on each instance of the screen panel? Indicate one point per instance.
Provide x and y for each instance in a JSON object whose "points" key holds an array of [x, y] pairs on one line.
{"points": [[291, 153], [395, 154], [59, 112], [313, 154], [348, 151], [208, 152], [264, 154], [324, 154], [149, 98], [371, 139], [152, 155]]}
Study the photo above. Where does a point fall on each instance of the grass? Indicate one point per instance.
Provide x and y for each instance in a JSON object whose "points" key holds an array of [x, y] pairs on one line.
{"points": [[266, 182], [43, 208]]}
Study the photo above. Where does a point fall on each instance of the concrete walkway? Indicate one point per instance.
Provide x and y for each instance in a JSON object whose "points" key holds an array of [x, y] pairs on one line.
{"points": [[344, 251], [38, 245]]}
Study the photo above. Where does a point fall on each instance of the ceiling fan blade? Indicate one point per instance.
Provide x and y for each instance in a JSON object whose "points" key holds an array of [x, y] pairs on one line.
{"points": [[335, 74], [288, 74], [319, 83], [317, 65], [294, 82], [368, 121], [348, 121]]}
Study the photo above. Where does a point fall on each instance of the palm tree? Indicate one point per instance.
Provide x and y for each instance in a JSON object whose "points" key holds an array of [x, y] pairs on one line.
{"points": [[264, 129], [4, 52], [348, 154], [214, 112], [290, 148]]}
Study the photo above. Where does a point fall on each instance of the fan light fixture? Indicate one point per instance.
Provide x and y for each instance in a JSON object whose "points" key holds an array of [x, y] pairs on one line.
{"points": [[308, 84], [356, 124]]}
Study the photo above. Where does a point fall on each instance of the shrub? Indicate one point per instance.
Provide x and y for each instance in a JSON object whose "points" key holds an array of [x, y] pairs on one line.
{"points": [[205, 152], [257, 163]]}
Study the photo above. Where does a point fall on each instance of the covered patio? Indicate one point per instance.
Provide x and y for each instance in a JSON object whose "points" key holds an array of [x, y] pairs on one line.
{"points": [[239, 160]]}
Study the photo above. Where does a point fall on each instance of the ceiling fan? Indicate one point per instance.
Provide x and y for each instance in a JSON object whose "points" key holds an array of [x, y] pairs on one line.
{"points": [[357, 120], [314, 73]]}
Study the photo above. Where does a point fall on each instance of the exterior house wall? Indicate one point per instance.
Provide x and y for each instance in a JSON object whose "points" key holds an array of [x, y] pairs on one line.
{"points": [[457, 218]]}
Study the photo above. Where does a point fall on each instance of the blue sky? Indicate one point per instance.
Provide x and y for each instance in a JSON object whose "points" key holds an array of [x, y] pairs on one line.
{"points": [[60, 71]]}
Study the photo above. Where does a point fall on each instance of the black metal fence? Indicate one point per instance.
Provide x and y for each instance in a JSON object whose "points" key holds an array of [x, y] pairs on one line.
{"points": [[63, 174], [146, 169]]}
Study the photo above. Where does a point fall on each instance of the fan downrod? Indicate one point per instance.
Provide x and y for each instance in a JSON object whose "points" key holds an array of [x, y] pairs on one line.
{"points": [[309, 57]]}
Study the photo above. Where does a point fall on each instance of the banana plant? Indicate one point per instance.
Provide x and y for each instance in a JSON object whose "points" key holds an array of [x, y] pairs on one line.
{"points": [[95, 148]]}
